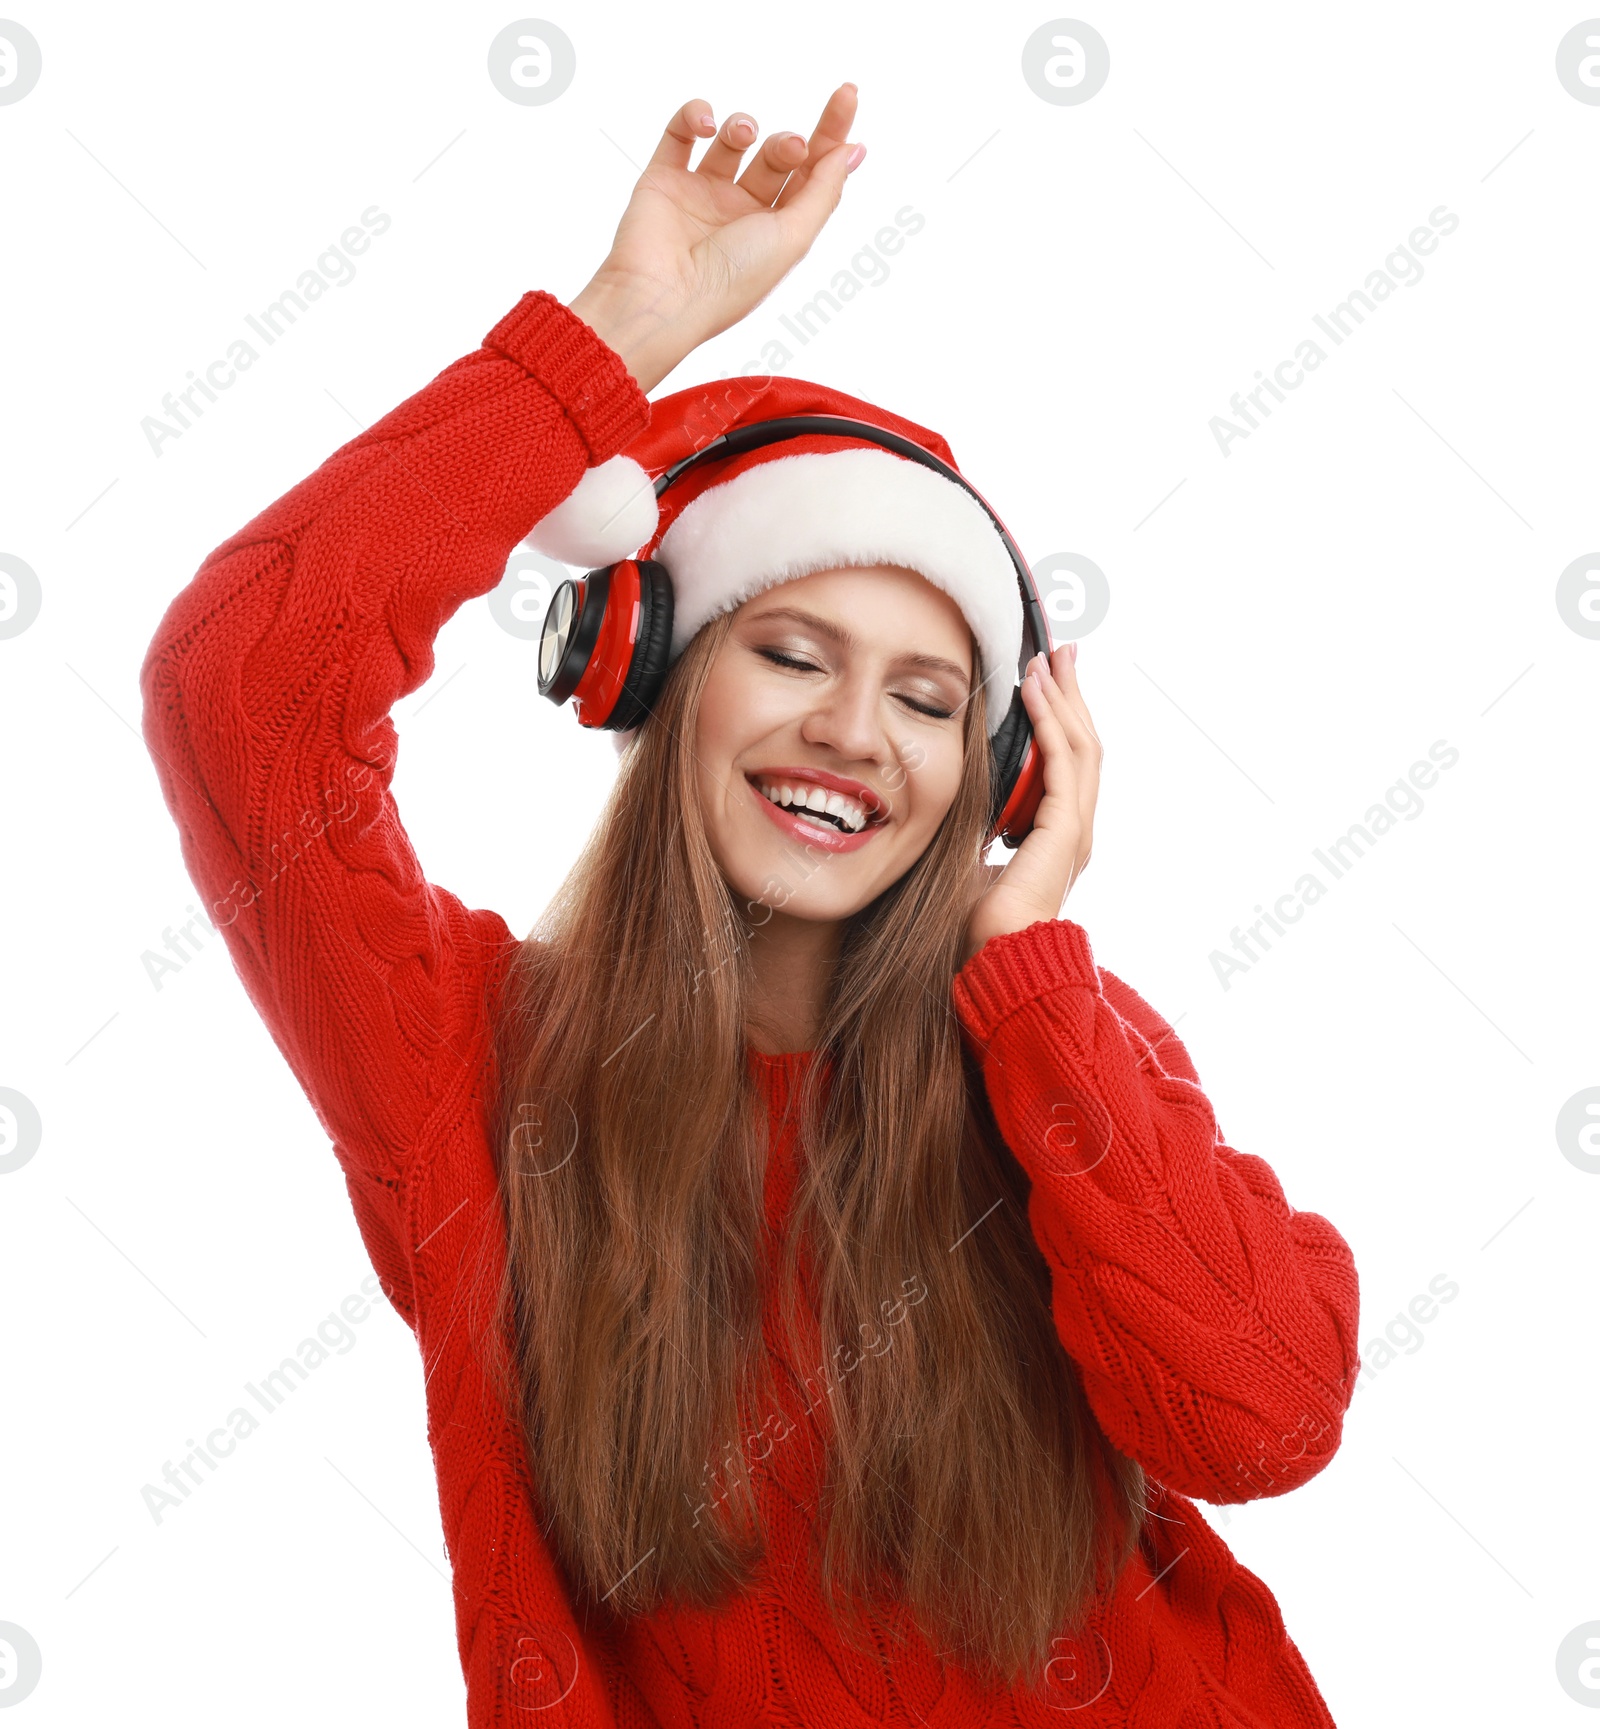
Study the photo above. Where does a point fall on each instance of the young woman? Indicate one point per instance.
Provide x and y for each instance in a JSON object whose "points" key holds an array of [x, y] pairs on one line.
{"points": [[832, 1285]]}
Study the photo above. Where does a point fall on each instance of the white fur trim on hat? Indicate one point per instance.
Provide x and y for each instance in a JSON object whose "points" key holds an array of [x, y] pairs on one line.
{"points": [[607, 516], [792, 515]]}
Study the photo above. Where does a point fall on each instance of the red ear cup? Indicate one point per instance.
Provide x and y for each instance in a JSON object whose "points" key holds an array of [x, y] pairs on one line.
{"points": [[647, 669], [1017, 774], [606, 671], [1017, 814], [604, 643]]}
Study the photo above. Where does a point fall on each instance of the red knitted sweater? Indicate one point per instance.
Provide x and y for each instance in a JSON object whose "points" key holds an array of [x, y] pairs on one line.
{"points": [[1214, 1327]]}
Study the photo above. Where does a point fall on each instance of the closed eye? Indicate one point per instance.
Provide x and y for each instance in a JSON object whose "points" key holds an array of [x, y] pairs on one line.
{"points": [[780, 659]]}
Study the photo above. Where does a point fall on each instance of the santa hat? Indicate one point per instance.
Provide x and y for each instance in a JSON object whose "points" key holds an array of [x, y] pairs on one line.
{"points": [[729, 529]]}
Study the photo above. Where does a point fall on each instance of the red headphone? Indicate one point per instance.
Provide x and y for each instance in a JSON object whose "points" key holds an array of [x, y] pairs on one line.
{"points": [[606, 635]]}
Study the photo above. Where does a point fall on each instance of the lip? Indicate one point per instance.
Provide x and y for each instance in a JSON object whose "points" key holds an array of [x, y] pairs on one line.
{"points": [[816, 834]]}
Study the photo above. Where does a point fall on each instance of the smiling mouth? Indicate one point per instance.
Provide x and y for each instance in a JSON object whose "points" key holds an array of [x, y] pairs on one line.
{"points": [[818, 804]]}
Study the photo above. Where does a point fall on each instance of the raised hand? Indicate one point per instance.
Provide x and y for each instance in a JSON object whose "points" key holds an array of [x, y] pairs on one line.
{"points": [[698, 248]]}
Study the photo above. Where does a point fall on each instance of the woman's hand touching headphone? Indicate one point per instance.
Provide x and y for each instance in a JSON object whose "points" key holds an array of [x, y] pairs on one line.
{"points": [[1053, 855], [697, 249]]}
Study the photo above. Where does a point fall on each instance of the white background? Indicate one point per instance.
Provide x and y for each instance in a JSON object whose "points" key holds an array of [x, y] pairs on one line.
{"points": [[1372, 570]]}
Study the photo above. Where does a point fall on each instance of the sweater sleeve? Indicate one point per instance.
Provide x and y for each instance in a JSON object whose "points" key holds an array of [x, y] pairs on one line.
{"points": [[266, 698], [1213, 1325]]}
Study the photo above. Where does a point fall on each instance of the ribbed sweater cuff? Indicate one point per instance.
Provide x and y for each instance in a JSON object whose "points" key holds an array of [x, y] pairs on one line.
{"points": [[1019, 966], [585, 375]]}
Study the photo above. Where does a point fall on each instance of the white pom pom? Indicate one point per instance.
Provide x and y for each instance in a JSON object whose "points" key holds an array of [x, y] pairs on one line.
{"points": [[608, 516]]}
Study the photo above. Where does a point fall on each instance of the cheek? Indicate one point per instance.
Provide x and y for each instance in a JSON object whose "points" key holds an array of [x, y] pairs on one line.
{"points": [[731, 720], [929, 781], [738, 715], [713, 758]]}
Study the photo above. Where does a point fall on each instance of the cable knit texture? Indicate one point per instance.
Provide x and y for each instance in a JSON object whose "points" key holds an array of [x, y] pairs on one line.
{"points": [[1213, 1325]]}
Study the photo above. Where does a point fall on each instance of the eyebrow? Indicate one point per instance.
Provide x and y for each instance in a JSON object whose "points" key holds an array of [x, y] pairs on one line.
{"points": [[932, 662]]}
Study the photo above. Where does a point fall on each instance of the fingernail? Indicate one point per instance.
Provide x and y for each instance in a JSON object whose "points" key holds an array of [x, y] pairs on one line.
{"points": [[853, 161], [1072, 652]]}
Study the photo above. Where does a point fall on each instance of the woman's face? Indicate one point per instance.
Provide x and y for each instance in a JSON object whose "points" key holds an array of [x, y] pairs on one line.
{"points": [[847, 688]]}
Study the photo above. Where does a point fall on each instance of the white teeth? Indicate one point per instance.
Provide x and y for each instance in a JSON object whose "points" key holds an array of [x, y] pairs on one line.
{"points": [[851, 814]]}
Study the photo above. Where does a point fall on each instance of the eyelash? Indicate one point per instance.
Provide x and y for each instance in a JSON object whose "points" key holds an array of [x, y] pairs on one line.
{"points": [[781, 659]]}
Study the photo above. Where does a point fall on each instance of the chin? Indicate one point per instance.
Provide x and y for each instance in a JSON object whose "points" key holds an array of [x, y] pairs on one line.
{"points": [[799, 886], [821, 909]]}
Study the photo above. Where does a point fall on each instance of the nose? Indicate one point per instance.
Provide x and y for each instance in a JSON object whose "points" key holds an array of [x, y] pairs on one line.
{"points": [[847, 718]]}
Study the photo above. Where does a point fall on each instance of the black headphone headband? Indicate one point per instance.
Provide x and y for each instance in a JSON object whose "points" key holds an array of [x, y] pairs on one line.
{"points": [[761, 432]]}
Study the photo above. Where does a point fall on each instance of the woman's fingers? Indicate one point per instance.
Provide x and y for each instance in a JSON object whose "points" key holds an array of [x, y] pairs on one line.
{"points": [[782, 153], [735, 136], [832, 129], [1061, 721], [1045, 713], [1061, 836], [1065, 685], [688, 127]]}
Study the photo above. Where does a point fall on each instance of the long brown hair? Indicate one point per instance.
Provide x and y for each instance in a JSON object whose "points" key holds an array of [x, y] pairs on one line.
{"points": [[967, 1480]]}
